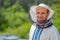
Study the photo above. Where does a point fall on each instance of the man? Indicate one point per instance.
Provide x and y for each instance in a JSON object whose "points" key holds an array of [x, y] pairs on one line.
{"points": [[42, 28]]}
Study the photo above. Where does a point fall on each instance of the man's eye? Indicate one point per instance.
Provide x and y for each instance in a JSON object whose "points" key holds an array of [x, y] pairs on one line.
{"points": [[37, 12], [42, 13]]}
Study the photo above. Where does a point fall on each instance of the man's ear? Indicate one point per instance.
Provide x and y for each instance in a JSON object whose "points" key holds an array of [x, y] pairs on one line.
{"points": [[48, 13]]}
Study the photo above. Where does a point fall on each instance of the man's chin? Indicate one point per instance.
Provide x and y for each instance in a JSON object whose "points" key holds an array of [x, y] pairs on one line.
{"points": [[41, 21]]}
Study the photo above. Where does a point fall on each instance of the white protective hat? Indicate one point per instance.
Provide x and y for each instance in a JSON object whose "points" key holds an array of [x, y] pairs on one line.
{"points": [[33, 11]]}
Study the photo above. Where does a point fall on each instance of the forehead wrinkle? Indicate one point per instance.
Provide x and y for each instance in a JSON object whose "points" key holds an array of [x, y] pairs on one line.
{"points": [[41, 9]]}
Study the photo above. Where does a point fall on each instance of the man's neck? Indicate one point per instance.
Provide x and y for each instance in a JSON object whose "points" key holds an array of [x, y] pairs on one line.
{"points": [[42, 23]]}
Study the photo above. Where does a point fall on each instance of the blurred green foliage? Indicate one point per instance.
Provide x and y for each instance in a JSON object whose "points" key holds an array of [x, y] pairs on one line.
{"points": [[14, 16]]}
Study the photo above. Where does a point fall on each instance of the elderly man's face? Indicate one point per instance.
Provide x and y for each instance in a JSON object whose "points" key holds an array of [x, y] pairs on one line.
{"points": [[42, 14]]}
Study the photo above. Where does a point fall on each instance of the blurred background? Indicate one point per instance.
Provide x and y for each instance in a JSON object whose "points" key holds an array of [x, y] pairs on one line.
{"points": [[15, 19]]}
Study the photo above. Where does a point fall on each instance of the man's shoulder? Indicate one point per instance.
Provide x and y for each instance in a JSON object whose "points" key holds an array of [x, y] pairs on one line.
{"points": [[33, 26], [53, 29]]}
